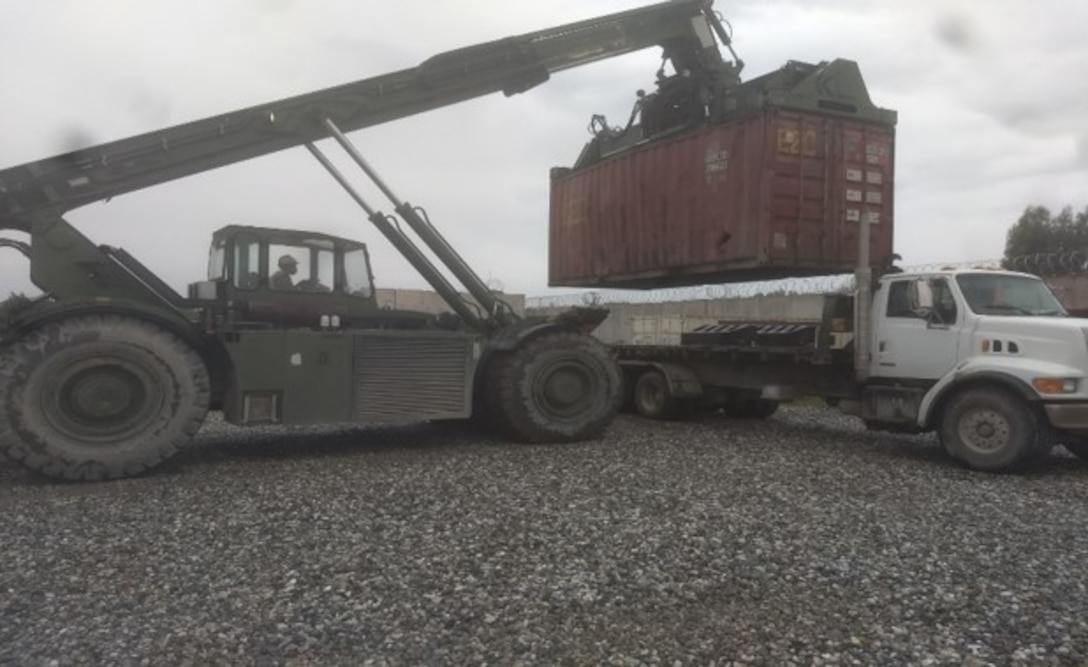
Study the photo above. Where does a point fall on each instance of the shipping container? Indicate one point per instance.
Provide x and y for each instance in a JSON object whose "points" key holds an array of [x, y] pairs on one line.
{"points": [[769, 194]]}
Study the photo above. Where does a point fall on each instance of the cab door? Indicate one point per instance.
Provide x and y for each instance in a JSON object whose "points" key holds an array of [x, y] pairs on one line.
{"points": [[916, 334]]}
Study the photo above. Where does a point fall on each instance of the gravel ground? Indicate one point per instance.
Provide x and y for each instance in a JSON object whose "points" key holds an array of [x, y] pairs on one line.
{"points": [[800, 539]]}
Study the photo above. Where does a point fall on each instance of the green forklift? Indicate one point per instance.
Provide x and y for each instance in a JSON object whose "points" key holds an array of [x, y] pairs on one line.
{"points": [[111, 371]]}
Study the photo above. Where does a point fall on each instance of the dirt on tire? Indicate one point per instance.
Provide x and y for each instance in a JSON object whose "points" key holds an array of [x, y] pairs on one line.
{"points": [[561, 386], [99, 397]]}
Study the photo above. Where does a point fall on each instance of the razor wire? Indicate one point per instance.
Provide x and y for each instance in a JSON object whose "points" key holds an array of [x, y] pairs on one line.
{"points": [[1051, 264], [786, 286], [1042, 264]]}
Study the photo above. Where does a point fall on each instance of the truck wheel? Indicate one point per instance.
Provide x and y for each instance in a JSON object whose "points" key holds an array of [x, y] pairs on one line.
{"points": [[557, 387], [99, 397], [653, 399], [992, 430], [751, 408]]}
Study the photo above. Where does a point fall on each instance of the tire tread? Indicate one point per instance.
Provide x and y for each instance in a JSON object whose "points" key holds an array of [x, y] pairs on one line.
{"points": [[20, 356]]}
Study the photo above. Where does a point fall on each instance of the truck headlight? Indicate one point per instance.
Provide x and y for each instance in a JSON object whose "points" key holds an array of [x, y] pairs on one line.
{"points": [[1054, 385]]}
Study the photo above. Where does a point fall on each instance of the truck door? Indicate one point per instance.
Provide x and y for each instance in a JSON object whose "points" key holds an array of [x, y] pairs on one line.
{"points": [[916, 333]]}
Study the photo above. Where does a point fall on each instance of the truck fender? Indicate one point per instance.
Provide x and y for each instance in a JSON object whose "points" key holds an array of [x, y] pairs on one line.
{"points": [[583, 320], [210, 350], [579, 318], [39, 316], [683, 382], [964, 378], [512, 337]]}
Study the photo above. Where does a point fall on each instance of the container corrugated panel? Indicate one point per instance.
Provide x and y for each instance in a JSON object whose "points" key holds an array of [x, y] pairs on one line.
{"points": [[772, 195]]}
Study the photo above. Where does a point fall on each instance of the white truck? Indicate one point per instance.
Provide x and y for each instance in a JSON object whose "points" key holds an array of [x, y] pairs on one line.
{"points": [[988, 359]]}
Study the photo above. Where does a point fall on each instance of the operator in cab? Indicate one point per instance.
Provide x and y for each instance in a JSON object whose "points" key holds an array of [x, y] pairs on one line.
{"points": [[281, 279]]}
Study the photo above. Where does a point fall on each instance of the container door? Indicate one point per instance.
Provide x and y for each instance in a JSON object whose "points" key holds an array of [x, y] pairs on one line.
{"points": [[914, 340]]}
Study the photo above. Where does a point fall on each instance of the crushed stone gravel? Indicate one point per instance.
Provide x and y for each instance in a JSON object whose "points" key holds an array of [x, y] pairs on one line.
{"points": [[801, 539]]}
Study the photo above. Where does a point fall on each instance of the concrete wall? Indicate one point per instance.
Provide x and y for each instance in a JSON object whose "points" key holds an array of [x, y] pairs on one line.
{"points": [[429, 302], [1072, 291], [662, 323]]}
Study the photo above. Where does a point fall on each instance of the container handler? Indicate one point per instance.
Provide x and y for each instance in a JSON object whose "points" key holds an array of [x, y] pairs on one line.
{"points": [[110, 372]]}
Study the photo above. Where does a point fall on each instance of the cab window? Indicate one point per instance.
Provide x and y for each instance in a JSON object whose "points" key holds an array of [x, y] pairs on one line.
{"points": [[899, 299], [288, 265], [944, 302], [217, 262], [357, 270], [911, 299], [247, 263]]}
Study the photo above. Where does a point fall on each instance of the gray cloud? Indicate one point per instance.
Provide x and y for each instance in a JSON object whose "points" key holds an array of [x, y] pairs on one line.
{"points": [[990, 116], [957, 32]]}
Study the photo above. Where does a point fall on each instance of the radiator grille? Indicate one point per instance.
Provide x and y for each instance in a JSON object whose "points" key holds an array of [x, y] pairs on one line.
{"points": [[412, 377]]}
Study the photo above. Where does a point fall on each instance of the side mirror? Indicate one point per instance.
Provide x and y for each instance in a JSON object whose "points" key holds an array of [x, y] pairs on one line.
{"points": [[921, 297]]}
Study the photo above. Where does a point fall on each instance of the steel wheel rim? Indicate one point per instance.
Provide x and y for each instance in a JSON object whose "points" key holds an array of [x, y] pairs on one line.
{"points": [[101, 401], [564, 389], [984, 431], [651, 396]]}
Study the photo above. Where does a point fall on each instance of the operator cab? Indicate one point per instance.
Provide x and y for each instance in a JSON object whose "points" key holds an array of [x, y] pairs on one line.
{"points": [[288, 278], [262, 259]]}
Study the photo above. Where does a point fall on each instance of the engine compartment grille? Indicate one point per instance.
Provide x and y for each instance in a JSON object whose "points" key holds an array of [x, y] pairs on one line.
{"points": [[402, 377]]}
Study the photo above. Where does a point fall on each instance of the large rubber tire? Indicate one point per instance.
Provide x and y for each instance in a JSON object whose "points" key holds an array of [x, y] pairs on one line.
{"points": [[653, 399], [751, 408], [557, 387], [99, 397], [992, 430]]}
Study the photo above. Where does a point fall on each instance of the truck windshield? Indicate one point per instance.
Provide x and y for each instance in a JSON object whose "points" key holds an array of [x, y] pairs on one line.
{"points": [[997, 294]]}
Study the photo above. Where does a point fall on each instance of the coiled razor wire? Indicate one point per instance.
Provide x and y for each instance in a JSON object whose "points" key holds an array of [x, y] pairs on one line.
{"points": [[817, 285], [1051, 264], [1043, 264]]}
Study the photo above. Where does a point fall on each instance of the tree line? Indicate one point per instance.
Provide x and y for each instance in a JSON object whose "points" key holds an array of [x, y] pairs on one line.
{"points": [[1040, 232]]}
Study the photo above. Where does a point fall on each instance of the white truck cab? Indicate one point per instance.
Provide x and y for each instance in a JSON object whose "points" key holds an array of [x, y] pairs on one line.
{"points": [[988, 359]]}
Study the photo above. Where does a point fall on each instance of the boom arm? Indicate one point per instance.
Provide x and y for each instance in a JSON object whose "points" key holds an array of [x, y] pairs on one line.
{"points": [[685, 29]]}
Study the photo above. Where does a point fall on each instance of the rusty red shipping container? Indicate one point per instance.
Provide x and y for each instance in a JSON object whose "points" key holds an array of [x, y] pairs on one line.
{"points": [[777, 193]]}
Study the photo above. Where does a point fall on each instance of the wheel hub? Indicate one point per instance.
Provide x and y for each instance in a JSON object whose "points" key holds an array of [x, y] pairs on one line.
{"points": [[564, 390], [652, 397], [102, 395], [101, 400], [985, 431]]}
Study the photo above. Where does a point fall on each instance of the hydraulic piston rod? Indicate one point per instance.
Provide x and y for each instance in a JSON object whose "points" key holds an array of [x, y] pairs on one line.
{"points": [[426, 231], [402, 243]]}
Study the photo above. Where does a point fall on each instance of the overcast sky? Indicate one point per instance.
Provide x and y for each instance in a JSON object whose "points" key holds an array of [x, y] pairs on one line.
{"points": [[992, 114]]}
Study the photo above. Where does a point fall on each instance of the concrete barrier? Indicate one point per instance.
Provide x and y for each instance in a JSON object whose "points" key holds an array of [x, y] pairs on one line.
{"points": [[662, 323], [430, 302]]}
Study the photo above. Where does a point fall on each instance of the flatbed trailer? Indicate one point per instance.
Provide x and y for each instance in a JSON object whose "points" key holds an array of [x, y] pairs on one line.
{"points": [[989, 360], [745, 367]]}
